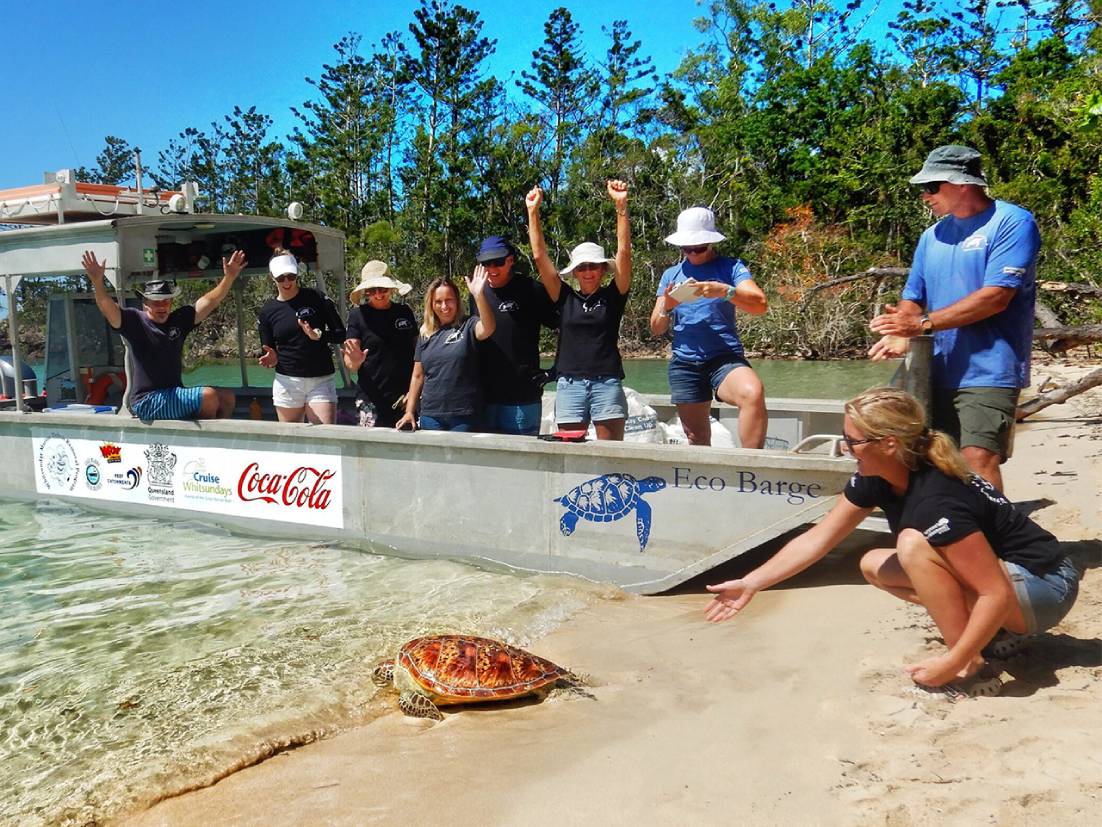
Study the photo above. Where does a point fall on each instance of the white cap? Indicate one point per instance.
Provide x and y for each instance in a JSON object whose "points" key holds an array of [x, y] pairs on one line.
{"points": [[283, 265], [586, 253], [695, 226]]}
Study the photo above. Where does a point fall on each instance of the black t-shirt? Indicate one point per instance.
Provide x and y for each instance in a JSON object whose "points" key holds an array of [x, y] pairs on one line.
{"points": [[298, 355], [157, 349], [589, 331], [511, 357], [389, 337], [450, 360], [946, 510]]}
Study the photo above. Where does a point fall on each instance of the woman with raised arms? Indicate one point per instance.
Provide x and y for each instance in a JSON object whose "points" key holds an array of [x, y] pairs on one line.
{"points": [[989, 577], [591, 372]]}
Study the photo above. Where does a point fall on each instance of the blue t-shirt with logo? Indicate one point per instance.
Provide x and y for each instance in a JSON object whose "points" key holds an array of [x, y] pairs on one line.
{"points": [[705, 328], [958, 256]]}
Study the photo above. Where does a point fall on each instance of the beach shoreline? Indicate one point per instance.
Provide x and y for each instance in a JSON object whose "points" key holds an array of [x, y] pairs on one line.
{"points": [[798, 711]]}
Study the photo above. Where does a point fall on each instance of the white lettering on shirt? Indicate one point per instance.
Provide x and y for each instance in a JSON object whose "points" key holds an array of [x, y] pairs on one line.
{"points": [[974, 242], [940, 527]]}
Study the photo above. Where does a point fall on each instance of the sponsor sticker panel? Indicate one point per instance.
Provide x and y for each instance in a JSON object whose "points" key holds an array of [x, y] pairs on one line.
{"points": [[268, 485]]}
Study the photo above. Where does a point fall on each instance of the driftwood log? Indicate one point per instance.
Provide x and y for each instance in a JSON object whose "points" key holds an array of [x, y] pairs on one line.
{"points": [[1065, 338], [1060, 394], [1070, 287]]}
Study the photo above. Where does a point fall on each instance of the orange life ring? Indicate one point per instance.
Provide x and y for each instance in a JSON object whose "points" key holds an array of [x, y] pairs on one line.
{"points": [[97, 391]]}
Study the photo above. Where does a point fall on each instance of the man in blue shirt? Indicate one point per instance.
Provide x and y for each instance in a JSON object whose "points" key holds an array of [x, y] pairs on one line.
{"points": [[973, 286], [696, 301]]}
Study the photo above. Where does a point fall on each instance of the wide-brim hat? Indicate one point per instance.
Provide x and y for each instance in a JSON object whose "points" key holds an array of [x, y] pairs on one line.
{"points": [[374, 274], [159, 290], [953, 164], [695, 226], [587, 253]]}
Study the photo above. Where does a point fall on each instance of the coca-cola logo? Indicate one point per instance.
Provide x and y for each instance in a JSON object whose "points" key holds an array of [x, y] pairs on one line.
{"points": [[305, 487]]}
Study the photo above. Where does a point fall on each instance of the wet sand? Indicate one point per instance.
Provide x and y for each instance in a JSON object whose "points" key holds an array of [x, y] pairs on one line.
{"points": [[796, 712]]}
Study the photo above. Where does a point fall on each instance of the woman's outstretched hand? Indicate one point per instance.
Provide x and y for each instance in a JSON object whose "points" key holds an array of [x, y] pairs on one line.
{"points": [[729, 598]]}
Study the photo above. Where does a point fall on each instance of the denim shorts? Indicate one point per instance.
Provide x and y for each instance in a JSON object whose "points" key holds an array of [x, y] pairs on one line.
{"points": [[698, 381], [579, 400], [466, 422], [296, 391], [512, 419], [1044, 598], [168, 403]]}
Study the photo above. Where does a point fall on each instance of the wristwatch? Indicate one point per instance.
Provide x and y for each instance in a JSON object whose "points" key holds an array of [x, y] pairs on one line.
{"points": [[927, 325], [731, 293]]}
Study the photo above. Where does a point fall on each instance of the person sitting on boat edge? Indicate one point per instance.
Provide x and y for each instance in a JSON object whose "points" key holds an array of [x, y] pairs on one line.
{"points": [[988, 576], [382, 337], [156, 335], [708, 358], [591, 371], [296, 329], [509, 361], [445, 364]]}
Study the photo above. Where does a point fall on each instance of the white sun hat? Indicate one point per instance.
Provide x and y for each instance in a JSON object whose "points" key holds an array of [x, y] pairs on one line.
{"points": [[375, 274], [695, 226], [586, 253]]}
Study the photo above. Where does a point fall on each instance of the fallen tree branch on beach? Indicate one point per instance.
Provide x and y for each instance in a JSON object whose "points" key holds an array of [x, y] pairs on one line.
{"points": [[1066, 338], [1059, 395], [1070, 287]]}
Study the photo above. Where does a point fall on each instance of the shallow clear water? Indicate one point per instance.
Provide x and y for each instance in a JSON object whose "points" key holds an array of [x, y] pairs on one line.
{"points": [[140, 657]]}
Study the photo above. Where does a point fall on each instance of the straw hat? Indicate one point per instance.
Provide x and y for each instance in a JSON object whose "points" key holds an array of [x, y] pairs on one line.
{"points": [[587, 253], [374, 274]]}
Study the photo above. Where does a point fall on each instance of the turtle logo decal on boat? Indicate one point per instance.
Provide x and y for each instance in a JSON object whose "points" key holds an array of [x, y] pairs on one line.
{"points": [[608, 498]]}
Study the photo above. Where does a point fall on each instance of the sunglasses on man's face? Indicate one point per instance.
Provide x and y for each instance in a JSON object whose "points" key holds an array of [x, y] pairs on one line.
{"points": [[286, 277], [931, 187], [695, 251], [496, 262]]}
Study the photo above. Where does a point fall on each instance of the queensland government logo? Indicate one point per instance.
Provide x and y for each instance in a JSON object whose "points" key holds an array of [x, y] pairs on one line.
{"points": [[57, 462], [160, 463]]}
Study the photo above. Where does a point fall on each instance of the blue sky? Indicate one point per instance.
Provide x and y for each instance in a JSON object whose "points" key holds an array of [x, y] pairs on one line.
{"points": [[78, 71]]}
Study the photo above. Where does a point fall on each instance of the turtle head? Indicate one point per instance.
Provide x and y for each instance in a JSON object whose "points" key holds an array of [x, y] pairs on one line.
{"points": [[652, 484], [383, 674]]}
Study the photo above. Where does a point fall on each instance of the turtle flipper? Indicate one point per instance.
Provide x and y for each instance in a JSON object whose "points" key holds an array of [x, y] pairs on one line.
{"points": [[567, 523], [642, 522], [419, 705]]}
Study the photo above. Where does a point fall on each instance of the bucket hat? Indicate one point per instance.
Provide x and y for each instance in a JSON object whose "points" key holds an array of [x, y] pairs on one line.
{"points": [[953, 164], [586, 253], [695, 226], [375, 274], [160, 289], [495, 246]]}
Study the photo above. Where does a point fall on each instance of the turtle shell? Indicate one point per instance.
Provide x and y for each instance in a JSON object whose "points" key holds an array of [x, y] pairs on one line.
{"points": [[606, 497], [466, 669]]}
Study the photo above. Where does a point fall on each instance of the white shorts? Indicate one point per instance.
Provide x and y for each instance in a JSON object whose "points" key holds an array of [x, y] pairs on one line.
{"points": [[296, 391]]}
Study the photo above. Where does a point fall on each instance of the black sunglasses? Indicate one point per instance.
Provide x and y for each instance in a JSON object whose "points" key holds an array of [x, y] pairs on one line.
{"points": [[286, 277], [850, 441], [931, 187], [495, 262], [694, 251]]}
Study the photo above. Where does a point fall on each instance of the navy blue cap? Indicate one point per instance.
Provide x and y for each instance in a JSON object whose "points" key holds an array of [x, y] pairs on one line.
{"points": [[495, 246]]}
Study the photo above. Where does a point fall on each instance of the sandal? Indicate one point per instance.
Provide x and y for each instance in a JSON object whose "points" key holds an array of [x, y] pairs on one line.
{"points": [[1005, 645], [985, 683]]}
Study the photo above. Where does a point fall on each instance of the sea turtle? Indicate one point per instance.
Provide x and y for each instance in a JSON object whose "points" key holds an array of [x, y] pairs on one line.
{"points": [[607, 498], [442, 670]]}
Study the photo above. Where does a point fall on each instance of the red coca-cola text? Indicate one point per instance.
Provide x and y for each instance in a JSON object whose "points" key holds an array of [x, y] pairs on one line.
{"points": [[305, 487]]}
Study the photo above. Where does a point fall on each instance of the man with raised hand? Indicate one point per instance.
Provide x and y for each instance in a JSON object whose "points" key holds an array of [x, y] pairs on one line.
{"points": [[973, 287], [156, 336]]}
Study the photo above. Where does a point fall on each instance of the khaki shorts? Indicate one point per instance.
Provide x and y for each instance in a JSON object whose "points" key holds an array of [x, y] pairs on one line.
{"points": [[977, 417]]}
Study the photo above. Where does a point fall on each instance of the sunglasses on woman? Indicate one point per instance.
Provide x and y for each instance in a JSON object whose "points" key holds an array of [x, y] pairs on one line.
{"points": [[851, 442], [286, 277]]}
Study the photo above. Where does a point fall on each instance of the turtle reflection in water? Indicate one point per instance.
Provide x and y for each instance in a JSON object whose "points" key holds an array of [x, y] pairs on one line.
{"points": [[443, 670]]}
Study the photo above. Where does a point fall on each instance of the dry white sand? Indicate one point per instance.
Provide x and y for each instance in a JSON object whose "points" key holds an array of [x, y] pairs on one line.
{"points": [[796, 712]]}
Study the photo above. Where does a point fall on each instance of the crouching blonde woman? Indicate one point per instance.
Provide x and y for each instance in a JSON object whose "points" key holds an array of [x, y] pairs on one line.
{"points": [[988, 576]]}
